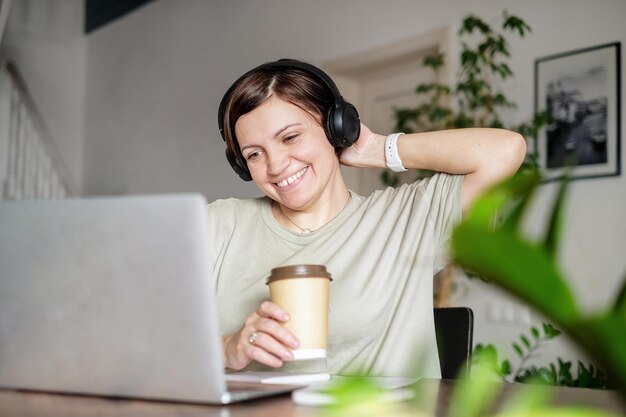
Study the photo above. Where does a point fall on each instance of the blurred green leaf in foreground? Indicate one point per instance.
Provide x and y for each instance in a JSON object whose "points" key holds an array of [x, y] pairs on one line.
{"points": [[498, 252]]}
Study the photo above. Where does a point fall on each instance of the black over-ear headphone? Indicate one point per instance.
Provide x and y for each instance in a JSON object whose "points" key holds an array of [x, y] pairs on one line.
{"points": [[341, 123]]}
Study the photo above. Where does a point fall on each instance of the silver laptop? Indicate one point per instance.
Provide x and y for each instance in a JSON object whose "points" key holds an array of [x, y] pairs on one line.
{"points": [[114, 297]]}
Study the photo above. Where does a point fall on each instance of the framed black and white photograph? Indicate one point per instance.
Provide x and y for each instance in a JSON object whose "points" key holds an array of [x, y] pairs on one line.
{"points": [[581, 91]]}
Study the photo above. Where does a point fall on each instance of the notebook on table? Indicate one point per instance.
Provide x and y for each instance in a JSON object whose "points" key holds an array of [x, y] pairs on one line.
{"points": [[114, 297]]}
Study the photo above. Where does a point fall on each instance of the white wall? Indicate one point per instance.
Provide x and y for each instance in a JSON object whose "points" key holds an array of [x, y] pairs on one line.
{"points": [[45, 39], [155, 78]]}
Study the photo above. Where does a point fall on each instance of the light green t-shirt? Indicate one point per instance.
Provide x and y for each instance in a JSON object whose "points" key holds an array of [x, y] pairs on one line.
{"points": [[382, 251]]}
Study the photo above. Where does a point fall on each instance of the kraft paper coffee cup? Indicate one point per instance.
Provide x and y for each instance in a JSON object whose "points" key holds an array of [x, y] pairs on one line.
{"points": [[303, 291]]}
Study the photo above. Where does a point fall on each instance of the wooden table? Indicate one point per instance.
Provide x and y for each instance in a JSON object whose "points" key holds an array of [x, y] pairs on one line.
{"points": [[23, 404]]}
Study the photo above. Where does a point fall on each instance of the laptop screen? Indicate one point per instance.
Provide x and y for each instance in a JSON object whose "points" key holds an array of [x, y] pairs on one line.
{"points": [[109, 296]]}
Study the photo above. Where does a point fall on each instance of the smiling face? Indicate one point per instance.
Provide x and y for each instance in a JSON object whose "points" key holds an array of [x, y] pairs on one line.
{"points": [[289, 157]]}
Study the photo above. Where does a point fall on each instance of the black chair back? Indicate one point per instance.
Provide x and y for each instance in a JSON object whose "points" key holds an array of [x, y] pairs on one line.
{"points": [[454, 327]]}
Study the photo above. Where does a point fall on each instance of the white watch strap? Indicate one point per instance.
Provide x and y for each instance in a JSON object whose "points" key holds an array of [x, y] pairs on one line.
{"points": [[392, 158]]}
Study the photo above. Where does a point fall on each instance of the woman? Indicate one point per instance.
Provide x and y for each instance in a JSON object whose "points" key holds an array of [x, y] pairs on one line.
{"points": [[287, 128]]}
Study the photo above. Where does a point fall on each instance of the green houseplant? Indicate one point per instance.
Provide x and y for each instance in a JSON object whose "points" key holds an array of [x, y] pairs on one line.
{"points": [[554, 373], [476, 98]]}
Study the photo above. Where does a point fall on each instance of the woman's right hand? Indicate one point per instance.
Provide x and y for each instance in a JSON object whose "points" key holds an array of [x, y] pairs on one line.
{"points": [[367, 151], [262, 338]]}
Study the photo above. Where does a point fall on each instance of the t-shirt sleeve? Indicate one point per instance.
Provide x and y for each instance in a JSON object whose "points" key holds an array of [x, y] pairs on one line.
{"points": [[445, 211], [433, 202]]}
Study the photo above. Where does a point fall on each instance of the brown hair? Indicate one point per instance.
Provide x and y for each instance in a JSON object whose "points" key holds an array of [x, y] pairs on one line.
{"points": [[256, 87]]}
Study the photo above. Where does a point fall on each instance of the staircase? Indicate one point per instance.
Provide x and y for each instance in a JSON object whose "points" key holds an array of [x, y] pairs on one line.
{"points": [[30, 164], [5, 5]]}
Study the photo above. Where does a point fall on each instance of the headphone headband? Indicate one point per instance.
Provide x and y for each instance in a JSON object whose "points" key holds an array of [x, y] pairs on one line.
{"points": [[281, 63], [341, 124]]}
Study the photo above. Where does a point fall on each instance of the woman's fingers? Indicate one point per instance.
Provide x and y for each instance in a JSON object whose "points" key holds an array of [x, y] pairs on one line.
{"points": [[368, 151], [277, 332], [270, 317], [273, 311], [268, 345], [261, 356], [262, 338]]}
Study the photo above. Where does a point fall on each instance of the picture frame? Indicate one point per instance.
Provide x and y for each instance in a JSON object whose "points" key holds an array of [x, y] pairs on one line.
{"points": [[581, 91]]}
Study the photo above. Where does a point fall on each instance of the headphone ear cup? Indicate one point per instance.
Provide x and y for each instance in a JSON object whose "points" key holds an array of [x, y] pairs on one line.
{"points": [[351, 124], [236, 164], [343, 125], [329, 127]]}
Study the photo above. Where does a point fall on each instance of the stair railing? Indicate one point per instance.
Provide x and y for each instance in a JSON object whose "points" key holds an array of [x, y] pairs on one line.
{"points": [[31, 166]]}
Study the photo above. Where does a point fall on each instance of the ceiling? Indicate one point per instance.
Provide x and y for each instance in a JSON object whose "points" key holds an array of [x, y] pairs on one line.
{"points": [[100, 12]]}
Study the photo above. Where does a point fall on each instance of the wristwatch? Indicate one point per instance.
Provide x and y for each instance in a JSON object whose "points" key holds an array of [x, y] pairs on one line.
{"points": [[392, 158]]}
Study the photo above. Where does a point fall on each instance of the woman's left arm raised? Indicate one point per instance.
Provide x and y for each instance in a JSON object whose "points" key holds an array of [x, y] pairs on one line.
{"points": [[484, 155]]}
